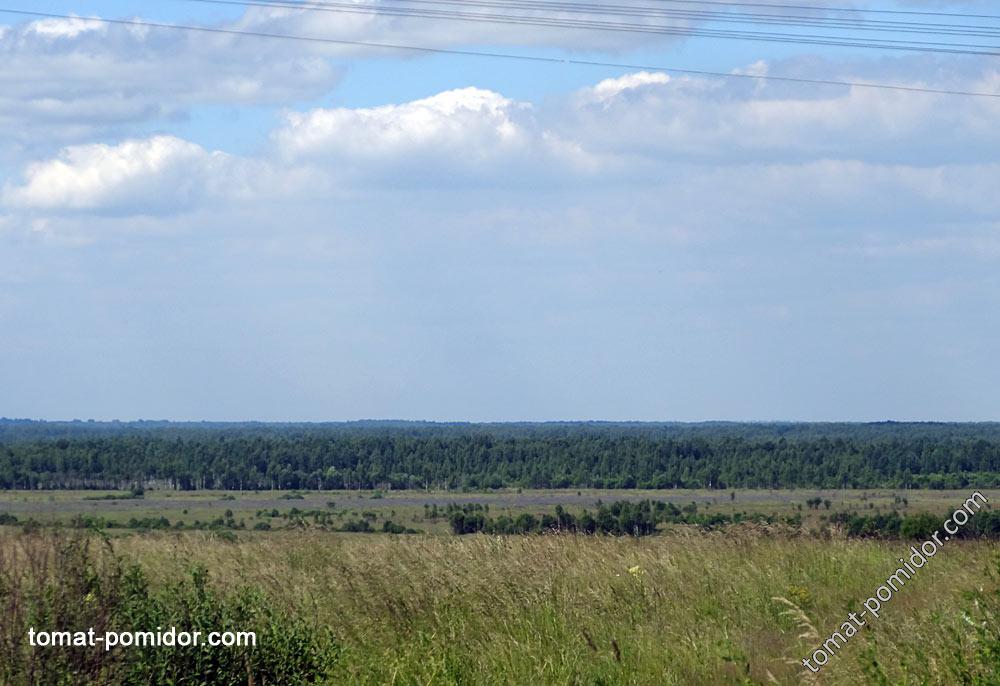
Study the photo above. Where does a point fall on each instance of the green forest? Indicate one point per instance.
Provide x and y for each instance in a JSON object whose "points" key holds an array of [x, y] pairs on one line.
{"points": [[416, 455]]}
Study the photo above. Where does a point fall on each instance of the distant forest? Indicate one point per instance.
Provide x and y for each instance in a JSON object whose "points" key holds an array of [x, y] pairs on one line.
{"points": [[417, 455]]}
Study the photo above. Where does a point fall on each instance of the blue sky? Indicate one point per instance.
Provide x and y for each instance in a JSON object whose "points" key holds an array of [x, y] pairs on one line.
{"points": [[214, 227]]}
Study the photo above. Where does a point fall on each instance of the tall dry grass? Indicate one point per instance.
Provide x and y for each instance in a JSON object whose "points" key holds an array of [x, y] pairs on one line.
{"points": [[674, 609]]}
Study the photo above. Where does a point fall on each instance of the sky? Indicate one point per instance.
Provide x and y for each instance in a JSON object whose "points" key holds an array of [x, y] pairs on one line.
{"points": [[210, 226]]}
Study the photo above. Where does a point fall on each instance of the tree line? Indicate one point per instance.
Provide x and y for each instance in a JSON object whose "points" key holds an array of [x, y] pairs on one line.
{"points": [[401, 455], [891, 525], [621, 518], [625, 518]]}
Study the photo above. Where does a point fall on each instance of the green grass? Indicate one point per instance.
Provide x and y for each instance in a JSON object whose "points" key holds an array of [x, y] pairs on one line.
{"points": [[700, 608], [739, 606], [62, 506]]}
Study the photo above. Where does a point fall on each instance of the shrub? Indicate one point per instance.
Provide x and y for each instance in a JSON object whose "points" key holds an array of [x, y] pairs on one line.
{"points": [[357, 526], [391, 527], [59, 582]]}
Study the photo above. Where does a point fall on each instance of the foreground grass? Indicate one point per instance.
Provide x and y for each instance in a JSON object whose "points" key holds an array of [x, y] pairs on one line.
{"points": [[671, 609]]}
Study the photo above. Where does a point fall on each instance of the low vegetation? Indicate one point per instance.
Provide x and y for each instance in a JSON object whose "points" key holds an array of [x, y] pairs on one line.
{"points": [[57, 582], [894, 525], [622, 518], [690, 607]]}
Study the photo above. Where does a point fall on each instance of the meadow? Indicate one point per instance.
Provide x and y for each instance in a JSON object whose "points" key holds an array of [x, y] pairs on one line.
{"points": [[410, 507], [742, 604]]}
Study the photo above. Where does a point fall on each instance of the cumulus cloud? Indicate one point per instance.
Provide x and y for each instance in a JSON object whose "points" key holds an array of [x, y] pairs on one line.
{"points": [[159, 174], [69, 80], [654, 117], [476, 121], [477, 131], [74, 78], [55, 28], [848, 145]]}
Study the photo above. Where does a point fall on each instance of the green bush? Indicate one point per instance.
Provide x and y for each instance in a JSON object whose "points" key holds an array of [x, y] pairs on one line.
{"points": [[288, 650], [59, 582]]}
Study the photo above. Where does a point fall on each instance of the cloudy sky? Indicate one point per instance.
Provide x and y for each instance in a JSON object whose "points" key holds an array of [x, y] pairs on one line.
{"points": [[211, 226]]}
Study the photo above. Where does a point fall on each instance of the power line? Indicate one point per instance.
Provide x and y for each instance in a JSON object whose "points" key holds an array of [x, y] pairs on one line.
{"points": [[591, 8], [756, 18], [923, 13], [808, 39], [507, 56]]}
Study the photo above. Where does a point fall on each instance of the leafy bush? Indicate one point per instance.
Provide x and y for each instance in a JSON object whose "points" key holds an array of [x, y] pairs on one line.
{"points": [[357, 526], [390, 527], [984, 524], [622, 518], [287, 651], [59, 582]]}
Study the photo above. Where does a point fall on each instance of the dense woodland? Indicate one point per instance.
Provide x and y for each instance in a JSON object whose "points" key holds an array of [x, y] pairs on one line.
{"points": [[413, 455]]}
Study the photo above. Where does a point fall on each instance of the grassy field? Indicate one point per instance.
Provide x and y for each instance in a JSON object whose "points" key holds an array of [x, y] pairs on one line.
{"points": [[408, 507], [740, 606]]}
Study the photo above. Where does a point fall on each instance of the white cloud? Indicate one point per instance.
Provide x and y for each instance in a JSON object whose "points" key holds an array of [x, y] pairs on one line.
{"points": [[477, 132], [65, 81], [56, 74], [72, 80], [854, 153], [64, 28], [609, 89], [719, 120], [471, 120], [160, 174]]}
